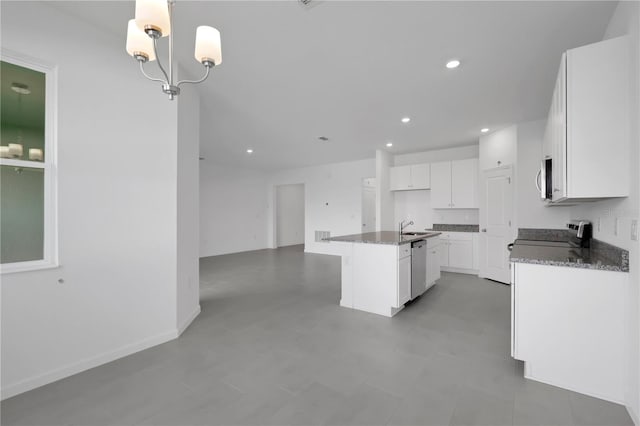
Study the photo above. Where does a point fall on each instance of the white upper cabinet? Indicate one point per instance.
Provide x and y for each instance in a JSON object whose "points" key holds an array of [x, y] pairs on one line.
{"points": [[587, 134], [454, 184], [406, 178]]}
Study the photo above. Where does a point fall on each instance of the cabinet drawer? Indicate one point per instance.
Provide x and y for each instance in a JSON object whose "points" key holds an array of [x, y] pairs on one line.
{"points": [[404, 250]]}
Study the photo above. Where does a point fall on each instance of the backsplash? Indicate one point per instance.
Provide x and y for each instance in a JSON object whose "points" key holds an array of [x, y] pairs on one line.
{"points": [[543, 234], [416, 206]]}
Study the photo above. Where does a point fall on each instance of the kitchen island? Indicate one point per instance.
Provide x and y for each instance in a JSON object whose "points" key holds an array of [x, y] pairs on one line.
{"points": [[377, 269]]}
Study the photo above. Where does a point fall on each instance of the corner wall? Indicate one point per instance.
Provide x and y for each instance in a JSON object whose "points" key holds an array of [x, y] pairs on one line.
{"points": [[117, 209]]}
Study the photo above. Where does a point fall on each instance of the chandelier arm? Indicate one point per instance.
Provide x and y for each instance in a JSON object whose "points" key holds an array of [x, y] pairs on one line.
{"points": [[206, 74], [148, 76], [155, 51]]}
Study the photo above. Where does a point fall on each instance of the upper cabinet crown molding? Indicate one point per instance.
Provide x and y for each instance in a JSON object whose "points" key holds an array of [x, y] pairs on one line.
{"points": [[587, 133], [407, 178]]}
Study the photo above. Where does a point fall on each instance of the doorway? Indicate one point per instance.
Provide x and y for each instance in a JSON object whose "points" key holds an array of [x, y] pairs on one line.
{"points": [[368, 205], [496, 223], [289, 215]]}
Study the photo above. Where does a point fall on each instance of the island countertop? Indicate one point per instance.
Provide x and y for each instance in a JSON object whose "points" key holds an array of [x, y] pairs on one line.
{"points": [[383, 237]]}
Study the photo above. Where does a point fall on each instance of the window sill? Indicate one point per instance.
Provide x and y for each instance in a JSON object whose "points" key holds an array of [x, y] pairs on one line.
{"points": [[37, 265]]}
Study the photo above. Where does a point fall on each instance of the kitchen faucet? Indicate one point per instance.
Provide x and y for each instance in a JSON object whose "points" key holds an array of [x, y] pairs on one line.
{"points": [[402, 225]]}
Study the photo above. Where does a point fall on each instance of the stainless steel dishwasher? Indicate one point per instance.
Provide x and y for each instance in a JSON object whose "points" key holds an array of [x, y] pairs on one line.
{"points": [[418, 268]]}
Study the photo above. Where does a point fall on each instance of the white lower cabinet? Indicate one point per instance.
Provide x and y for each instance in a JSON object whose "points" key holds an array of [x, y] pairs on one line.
{"points": [[404, 280], [568, 326], [433, 261], [459, 252]]}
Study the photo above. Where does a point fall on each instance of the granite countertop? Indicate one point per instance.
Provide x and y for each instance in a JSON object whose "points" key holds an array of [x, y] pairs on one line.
{"points": [[600, 256], [449, 227], [383, 237]]}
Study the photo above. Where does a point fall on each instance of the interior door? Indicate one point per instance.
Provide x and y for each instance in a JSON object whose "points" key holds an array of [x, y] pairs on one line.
{"points": [[497, 229]]}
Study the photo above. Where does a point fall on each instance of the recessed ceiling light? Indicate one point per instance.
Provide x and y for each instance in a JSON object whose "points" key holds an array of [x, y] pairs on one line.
{"points": [[406, 120], [21, 88], [454, 63], [389, 144], [485, 130], [249, 151]]}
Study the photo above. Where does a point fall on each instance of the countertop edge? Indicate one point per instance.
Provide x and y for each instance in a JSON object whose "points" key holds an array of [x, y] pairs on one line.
{"points": [[610, 268]]}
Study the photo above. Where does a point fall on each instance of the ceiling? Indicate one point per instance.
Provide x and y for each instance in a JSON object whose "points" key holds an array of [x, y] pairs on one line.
{"points": [[18, 110], [351, 70]]}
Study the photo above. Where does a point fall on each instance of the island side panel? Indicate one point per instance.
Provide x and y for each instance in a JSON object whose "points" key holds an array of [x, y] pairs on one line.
{"points": [[375, 278]]}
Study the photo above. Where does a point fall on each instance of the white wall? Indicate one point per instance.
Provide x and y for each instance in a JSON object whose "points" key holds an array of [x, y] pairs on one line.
{"points": [[625, 20], [289, 214], [233, 209], [117, 189], [188, 269], [498, 148], [333, 199]]}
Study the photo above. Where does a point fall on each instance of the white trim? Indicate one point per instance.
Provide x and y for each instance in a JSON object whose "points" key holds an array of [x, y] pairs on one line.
{"points": [[50, 241], [86, 364], [571, 388], [186, 323], [633, 415]]}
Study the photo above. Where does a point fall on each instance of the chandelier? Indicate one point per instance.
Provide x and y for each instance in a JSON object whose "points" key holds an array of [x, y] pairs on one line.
{"points": [[154, 20]]}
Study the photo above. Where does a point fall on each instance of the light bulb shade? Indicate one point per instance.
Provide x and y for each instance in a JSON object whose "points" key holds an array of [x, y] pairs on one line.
{"points": [[153, 14], [208, 47], [139, 42]]}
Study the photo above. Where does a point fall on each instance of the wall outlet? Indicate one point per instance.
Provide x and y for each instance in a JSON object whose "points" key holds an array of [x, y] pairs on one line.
{"points": [[634, 230]]}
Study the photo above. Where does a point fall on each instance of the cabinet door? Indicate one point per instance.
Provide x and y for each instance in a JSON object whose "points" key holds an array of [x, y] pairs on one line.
{"points": [[464, 184], [461, 254], [420, 176], [433, 264], [404, 280], [443, 248], [400, 178], [441, 185]]}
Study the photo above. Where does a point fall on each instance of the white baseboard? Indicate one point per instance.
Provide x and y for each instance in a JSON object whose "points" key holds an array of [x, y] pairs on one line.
{"points": [[459, 271], [186, 323], [633, 415], [587, 392], [86, 364]]}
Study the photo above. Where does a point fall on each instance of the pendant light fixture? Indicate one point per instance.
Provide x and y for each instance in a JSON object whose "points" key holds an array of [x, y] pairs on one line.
{"points": [[154, 20]]}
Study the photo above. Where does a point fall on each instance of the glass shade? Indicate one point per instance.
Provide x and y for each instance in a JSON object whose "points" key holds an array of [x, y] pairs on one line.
{"points": [[153, 13], [139, 41], [208, 45]]}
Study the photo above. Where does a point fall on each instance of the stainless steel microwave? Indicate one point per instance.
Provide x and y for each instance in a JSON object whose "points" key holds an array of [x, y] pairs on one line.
{"points": [[544, 180]]}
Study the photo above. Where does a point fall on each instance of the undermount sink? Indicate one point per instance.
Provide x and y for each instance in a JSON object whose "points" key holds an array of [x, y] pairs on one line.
{"points": [[415, 234]]}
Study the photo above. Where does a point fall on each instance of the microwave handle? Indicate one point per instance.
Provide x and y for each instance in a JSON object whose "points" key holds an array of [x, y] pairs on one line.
{"points": [[538, 180]]}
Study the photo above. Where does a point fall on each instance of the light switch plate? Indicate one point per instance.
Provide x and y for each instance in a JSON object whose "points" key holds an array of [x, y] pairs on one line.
{"points": [[634, 230]]}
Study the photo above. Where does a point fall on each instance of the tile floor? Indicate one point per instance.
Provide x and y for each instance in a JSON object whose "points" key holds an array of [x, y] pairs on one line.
{"points": [[273, 347]]}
